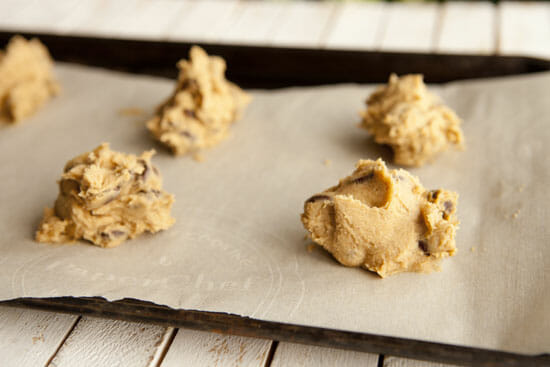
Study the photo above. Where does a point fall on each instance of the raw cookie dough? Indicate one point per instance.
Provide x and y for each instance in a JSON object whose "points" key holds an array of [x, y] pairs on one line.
{"points": [[383, 220], [106, 197], [411, 120], [26, 78], [201, 109]]}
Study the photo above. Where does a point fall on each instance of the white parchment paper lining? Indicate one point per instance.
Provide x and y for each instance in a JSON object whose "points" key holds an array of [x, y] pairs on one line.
{"points": [[238, 245]]}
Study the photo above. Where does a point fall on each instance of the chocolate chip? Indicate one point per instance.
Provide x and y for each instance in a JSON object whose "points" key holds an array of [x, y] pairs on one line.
{"points": [[114, 233], [112, 195], [189, 83], [190, 113], [187, 134], [363, 179], [448, 205], [117, 233], [424, 247], [67, 186], [315, 198], [146, 172], [433, 195]]}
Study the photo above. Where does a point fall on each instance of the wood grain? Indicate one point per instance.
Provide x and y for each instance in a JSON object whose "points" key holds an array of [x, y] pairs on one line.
{"points": [[409, 27], [302, 24], [390, 361], [254, 23], [203, 21], [356, 26], [100, 342], [199, 348], [149, 19], [30, 337], [290, 354], [467, 27], [525, 28]]}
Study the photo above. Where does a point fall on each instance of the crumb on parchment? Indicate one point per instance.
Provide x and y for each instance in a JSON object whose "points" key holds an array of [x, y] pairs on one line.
{"points": [[131, 112]]}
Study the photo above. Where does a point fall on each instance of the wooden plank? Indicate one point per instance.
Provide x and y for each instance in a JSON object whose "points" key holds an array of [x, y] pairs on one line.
{"points": [[303, 24], [204, 21], [148, 19], [82, 17], [356, 26], [99, 342], [255, 22], [390, 361], [467, 27], [525, 28], [409, 27], [290, 354], [13, 11], [31, 338], [104, 16], [33, 15], [199, 348]]}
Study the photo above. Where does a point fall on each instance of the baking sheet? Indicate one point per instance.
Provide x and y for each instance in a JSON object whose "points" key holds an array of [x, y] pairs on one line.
{"points": [[238, 245]]}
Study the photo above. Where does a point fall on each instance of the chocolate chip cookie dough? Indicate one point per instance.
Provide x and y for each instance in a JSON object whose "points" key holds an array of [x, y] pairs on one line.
{"points": [[411, 120], [26, 78], [201, 109], [106, 197], [383, 220]]}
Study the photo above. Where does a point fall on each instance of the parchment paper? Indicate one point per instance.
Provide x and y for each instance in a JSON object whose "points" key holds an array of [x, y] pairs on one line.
{"points": [[238, 245]]}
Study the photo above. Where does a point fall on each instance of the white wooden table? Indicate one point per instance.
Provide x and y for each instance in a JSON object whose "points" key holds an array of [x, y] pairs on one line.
{"points": [[37, 338]]}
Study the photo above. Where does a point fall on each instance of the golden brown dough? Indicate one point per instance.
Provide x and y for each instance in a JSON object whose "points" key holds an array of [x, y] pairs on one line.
{"points": [[383, 220], [411, 120], [106, 197], [26, 78], [201, 109]]}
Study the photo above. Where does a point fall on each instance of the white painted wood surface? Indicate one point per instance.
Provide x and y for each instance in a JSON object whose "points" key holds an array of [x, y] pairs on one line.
{"points": [[203, 21], [199, 348], [254, 23], [290, 354], [390, 361], [409, 27], [525, 28], [30, 15], [467, 27], [100, 342], [303, 24], [29, 337], [510, 28], [356, 26], [148, 19]]}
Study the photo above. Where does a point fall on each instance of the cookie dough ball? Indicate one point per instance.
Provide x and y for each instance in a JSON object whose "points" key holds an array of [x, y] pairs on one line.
{"points": [[107, 197], [411, 120], [26, 78], [383, 220], [201, 109]]}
